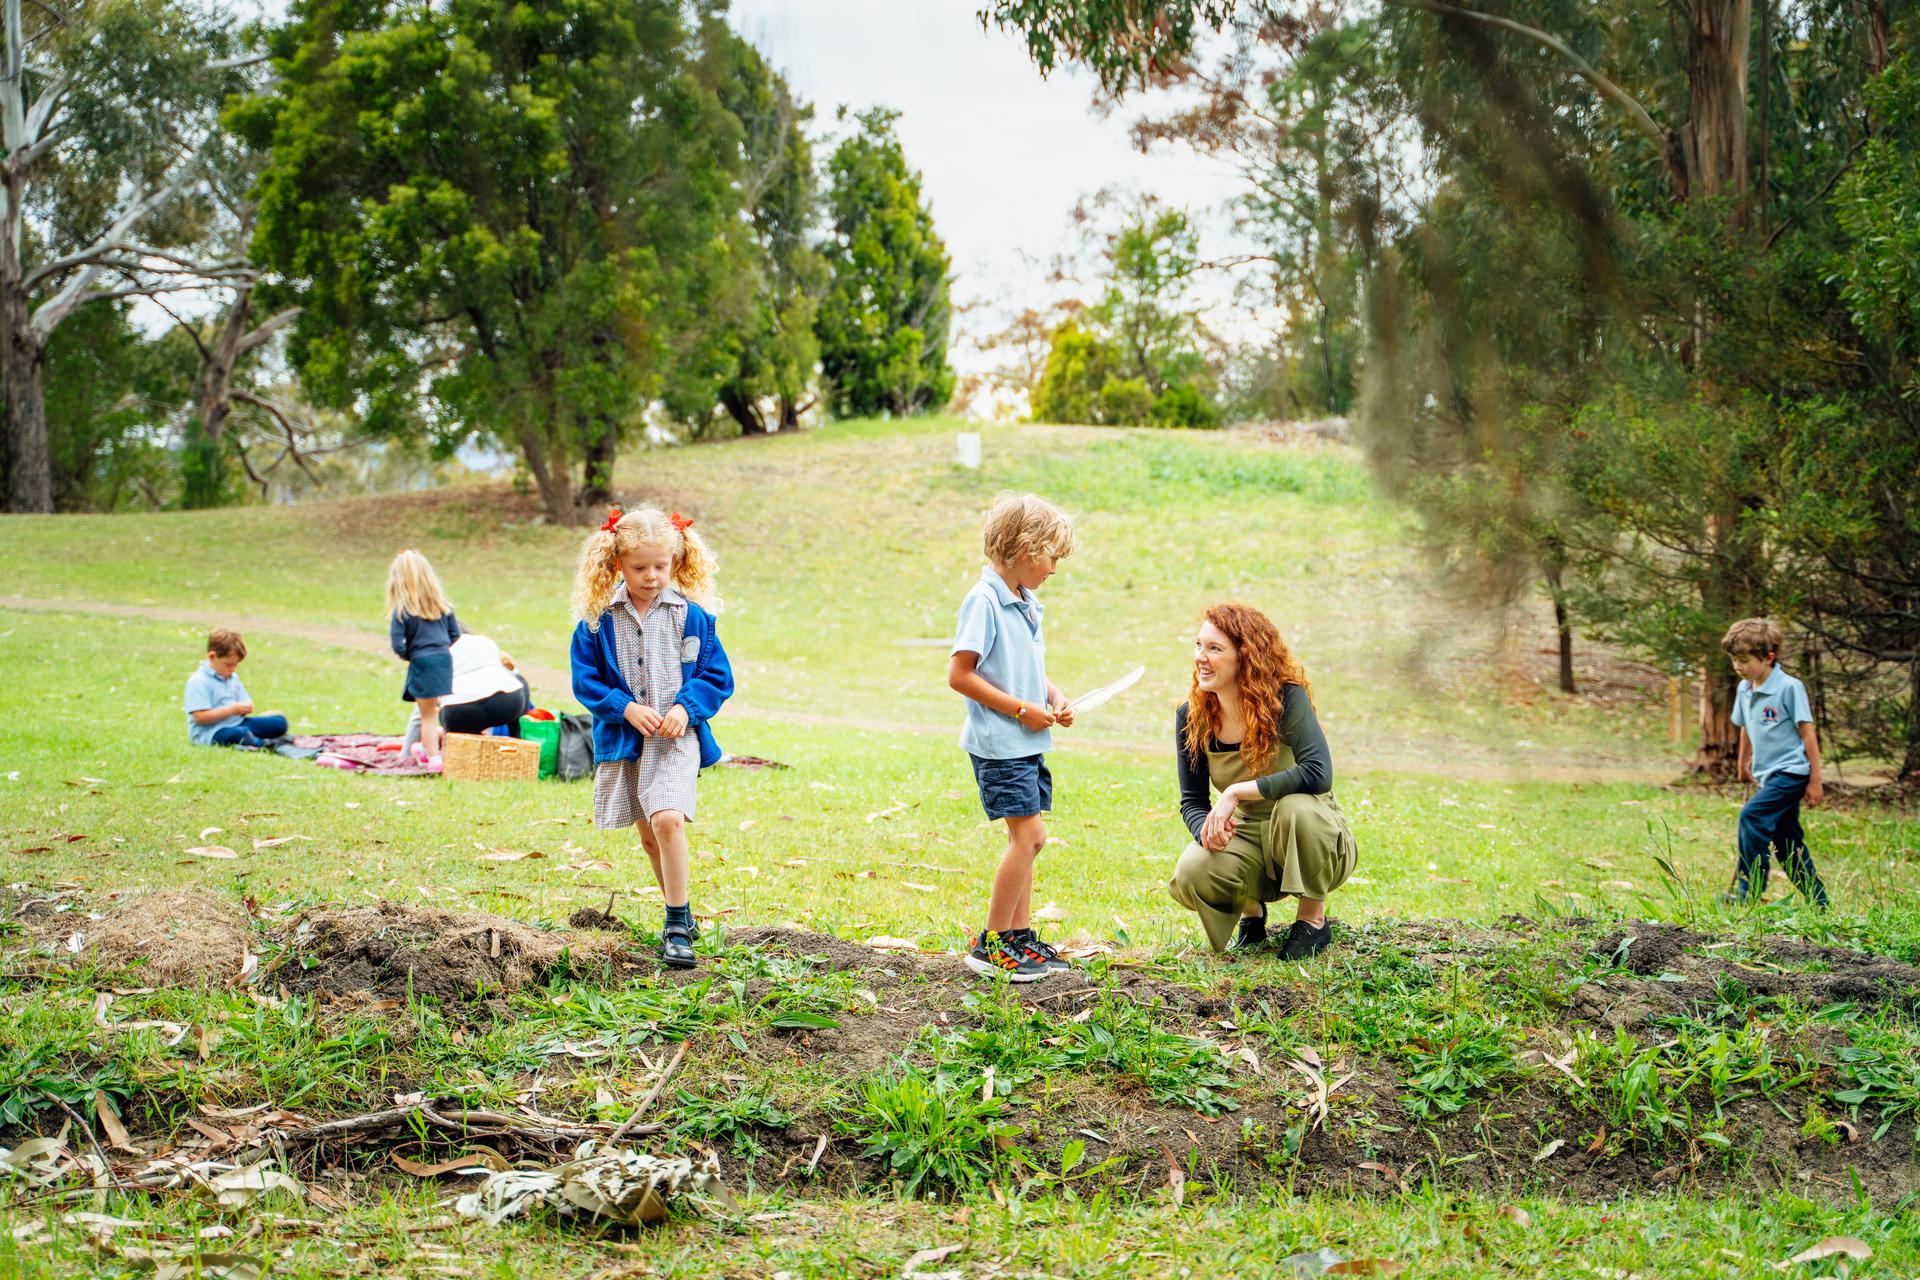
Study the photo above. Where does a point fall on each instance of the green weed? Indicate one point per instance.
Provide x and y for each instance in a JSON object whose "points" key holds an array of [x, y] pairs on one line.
{"points": [[928, 1131]]}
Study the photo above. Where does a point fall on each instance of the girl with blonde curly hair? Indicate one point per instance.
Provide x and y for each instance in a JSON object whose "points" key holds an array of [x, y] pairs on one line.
{"points": [[647, 663], [1248, 731]]}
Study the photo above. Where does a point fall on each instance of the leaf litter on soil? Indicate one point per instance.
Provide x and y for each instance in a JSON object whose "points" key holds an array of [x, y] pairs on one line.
{"points": [[1346, 1125]]}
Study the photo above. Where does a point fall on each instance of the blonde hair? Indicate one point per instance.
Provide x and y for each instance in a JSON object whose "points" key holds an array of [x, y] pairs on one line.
{"points": [[1022, 525], [414, 588], [1754, 638], [693, 564]]}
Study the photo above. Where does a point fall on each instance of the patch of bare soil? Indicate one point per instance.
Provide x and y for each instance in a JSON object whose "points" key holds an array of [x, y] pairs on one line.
{"points": [[1677, 972], [396, 950], [172, 938], [1370, 1141]]}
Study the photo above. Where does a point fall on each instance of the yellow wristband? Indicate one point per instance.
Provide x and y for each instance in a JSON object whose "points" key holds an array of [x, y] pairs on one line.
{"points": [[1020, 712]]}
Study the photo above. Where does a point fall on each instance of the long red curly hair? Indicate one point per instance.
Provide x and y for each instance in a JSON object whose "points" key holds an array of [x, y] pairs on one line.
{"points": [[1267, 667]]}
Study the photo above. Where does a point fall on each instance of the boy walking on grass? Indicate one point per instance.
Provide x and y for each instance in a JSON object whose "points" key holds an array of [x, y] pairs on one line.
{"points": [[1780, 753], [999, 666]]}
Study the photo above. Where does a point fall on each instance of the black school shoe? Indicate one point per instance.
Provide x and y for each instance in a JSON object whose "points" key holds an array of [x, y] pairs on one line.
{"points": [[1249, 935], [1304, 941], [1030, 942], [676, 947], [993, 953]]}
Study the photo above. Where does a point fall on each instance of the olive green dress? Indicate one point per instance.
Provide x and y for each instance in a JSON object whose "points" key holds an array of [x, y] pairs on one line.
{"points": [[1298, 845]]}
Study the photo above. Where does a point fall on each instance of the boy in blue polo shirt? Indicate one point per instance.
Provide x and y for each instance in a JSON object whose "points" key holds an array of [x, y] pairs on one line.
{"points": [[999, 666], [1780, 752], [219, 712]]}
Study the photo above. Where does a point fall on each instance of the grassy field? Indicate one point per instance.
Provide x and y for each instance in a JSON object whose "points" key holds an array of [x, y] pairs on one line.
{"points": [[1715, 1087]]}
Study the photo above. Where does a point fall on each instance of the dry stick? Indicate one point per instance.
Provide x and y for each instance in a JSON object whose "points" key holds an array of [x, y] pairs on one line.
{"points": [[652, 1093], [92, 1141]]}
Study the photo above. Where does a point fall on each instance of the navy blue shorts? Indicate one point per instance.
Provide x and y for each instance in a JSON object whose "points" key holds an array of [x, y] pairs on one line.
{"points": [[1013, 788]]}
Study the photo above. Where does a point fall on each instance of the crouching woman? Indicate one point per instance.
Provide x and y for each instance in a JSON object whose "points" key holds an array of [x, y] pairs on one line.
{"points": [[1249, 734]]}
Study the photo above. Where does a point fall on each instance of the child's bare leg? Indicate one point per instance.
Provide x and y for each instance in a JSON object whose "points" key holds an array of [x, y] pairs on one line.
{"points": [[670, 836], [1011, 904], [651, 843], [430, 725]]}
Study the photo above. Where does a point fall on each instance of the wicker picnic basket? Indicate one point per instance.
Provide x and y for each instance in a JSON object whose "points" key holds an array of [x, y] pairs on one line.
{"points": [[482, 757]]}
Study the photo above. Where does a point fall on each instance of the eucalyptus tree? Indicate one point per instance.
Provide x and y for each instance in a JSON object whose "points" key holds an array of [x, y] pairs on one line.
{"points": [[108, 113]]}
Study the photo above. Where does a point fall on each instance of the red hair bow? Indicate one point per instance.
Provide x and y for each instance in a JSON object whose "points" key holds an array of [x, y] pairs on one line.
{"points": [[680, 522], [613, 518]]}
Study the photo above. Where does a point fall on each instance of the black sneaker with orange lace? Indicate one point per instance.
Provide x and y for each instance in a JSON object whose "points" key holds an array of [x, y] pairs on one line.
{"points": [[1037, 948], [992, 953]]}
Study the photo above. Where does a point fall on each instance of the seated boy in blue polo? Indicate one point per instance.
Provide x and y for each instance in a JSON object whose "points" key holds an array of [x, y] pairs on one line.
{"points": [[1780, 752], [219, 712], [999, 666]]}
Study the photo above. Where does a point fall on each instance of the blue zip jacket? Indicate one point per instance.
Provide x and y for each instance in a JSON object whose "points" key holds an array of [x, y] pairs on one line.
{"points": [[705, 682]]}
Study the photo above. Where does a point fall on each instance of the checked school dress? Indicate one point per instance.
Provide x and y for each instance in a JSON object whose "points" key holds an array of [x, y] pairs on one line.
{"points": [[649, 653]]}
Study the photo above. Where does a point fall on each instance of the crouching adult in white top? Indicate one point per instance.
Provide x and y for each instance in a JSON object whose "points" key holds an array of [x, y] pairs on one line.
{"points": [[487, 691]]}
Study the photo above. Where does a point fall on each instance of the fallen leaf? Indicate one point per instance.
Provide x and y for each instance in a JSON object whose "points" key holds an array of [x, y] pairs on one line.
{"points": [[921, 888], [745, 823], [1546, 1152], [212, 851], [474, 1161], [210, 831], [926, 1257], [1831, 1247], [1599, 1141], [276, 841], [884, 943], [110, 1124], [1050, 912], [511, 855], [1515, 1214], [885, 813], [1176, 1177], [243, 1186]]}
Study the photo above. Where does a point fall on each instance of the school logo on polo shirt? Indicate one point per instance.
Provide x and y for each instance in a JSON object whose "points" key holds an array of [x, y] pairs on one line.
{"points": [[1769, 715]]}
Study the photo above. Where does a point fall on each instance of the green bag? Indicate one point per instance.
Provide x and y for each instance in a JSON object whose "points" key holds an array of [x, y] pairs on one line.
{"points": [[547, 734]]}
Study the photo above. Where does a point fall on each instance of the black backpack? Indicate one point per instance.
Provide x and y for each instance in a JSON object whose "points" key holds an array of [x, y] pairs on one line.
{"points": [[576, 748]]}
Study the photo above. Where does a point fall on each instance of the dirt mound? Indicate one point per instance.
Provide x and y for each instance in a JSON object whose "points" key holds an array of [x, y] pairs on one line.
{"points": [[1680, 973], [595, 918], [397, 950], [172, 938]]}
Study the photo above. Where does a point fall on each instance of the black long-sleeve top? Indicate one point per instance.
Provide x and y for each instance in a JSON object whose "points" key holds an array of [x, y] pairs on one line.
{"points": [[1299, 729], [413, 636]]}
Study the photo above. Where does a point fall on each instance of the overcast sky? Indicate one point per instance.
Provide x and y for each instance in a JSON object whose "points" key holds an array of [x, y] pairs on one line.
{"points": [[1005, 155]]}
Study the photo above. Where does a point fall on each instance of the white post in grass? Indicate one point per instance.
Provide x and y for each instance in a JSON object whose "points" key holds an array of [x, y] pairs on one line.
{"points": [[969, 450]]}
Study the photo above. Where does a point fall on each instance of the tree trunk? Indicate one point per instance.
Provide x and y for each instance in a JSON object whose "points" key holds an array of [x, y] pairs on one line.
{"points": [[1716, 134], [553, 483], [1719, 753], [596, 487], [22, 353], [1562, 627], [206, 479], [1910, 766], [745, 410]]}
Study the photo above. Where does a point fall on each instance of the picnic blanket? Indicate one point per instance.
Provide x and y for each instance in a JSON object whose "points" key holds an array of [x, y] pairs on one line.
{"points": [[361, 753]]}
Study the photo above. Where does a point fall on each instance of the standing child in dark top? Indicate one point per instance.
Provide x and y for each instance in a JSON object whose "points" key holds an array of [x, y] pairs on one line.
{"points": [[1780, 751], [1248, 731], [422, 627]]}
